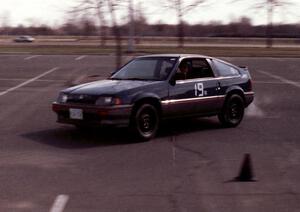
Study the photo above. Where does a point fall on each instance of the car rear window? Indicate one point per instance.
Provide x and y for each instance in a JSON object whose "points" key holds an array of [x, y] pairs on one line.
{"points": [[225, 70]]}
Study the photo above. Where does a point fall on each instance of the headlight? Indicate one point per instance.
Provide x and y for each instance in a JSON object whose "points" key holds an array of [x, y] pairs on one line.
{"points": [[108, 100], [62, 98]]}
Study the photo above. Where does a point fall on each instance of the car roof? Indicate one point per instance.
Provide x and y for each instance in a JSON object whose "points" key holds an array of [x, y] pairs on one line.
{"points": [[175, 55], [188, 56]]}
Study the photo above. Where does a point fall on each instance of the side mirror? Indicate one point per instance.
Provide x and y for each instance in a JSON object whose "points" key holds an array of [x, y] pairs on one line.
{"points": [[112, 73]]}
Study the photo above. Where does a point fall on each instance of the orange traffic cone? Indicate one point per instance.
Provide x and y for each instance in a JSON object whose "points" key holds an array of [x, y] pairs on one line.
{"points": [[246, 172]]}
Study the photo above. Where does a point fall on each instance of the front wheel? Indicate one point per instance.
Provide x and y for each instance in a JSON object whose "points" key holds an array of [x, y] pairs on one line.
{"points": [[233, 111], [145, 122]]}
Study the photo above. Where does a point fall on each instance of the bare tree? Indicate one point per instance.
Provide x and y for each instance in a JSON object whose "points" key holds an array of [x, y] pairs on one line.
{"points": [[140, 21], [181, 8], [69, 28], [96, 7], [269, 6], [131, 25], [102, 21], [88, 27], [101, 8], [112, 4]]}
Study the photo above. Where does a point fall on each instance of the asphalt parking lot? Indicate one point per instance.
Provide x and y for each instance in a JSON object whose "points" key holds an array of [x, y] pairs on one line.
{"points": [[47, 166]]}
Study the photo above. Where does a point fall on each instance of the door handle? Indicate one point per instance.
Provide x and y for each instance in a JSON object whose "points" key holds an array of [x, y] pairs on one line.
{"points": [[218, 86]]}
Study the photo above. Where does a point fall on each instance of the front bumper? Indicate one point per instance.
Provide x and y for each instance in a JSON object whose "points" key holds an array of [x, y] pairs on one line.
{"points": [[94, 115]]}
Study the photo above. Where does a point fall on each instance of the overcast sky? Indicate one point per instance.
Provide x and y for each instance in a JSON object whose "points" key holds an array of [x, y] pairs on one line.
{"points": [[53, 12]]}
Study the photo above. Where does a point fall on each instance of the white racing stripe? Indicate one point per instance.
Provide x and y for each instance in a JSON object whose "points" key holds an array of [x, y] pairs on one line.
{"points": [[269, 82], [290, 82], [28, 81], [31, 57], [80, 57], [59, 203]]}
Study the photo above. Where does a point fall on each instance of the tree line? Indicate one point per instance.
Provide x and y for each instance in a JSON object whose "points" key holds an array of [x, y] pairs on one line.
{"points": [[241, 28], [102, 18]]}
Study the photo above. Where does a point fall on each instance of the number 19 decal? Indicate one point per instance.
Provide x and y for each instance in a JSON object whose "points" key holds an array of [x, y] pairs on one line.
{"points": [[199, 89]]}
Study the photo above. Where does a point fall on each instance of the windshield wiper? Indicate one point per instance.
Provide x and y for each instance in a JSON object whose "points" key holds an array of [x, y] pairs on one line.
{"points": [[136, 78], [114, 78]]}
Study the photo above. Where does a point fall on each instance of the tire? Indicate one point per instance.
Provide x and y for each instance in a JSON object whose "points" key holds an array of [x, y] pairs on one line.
{"points": [[233, 111], [145, 122]]}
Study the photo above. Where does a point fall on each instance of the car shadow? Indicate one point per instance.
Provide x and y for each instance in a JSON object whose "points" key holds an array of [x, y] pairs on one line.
{"points": [[70, 137], [190, 125]]}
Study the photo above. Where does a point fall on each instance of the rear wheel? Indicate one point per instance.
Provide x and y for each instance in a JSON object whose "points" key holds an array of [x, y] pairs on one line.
{"points": [[233, 111], [145, 122]]}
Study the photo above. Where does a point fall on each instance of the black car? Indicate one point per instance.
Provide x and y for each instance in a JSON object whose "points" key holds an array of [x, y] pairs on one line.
{"points": [[153, 88]]}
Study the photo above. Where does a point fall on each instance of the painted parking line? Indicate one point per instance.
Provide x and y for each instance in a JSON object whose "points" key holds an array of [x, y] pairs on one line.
{"points": [[282, 79], [24, 79], [59, 203], [31, 57], [28, 81], [80, 57]]}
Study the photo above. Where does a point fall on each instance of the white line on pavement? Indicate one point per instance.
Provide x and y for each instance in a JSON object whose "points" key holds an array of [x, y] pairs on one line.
{"points": [[31, 57], [23, 79], [28, 81], [59, 203], [80, 57], [290, 82]]}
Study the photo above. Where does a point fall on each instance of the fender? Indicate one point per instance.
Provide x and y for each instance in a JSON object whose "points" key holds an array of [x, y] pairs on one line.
{"points": [[140, 96], [234, 88]]}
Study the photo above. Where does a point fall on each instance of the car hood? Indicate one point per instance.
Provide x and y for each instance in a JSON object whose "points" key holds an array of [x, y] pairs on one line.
{"points": [[109, 87]]}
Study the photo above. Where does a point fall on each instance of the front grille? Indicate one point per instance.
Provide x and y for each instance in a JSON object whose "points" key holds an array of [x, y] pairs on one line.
{"points": [[82, 99]]}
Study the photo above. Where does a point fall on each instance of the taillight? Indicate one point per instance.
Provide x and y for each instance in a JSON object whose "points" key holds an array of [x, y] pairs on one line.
{"points": [[250, 84]]}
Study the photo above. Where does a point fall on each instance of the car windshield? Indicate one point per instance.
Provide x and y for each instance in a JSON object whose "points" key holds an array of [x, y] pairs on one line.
{"points": [[147, 68]]}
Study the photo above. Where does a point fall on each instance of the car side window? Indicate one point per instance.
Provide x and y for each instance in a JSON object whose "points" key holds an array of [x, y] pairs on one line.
{"points": [[165, 69], [193, 69], [201, 69], [225, 70]]}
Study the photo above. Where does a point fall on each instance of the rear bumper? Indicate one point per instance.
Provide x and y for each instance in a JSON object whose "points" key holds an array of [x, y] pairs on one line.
{"points": [[249, 97], [93, 115]]}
